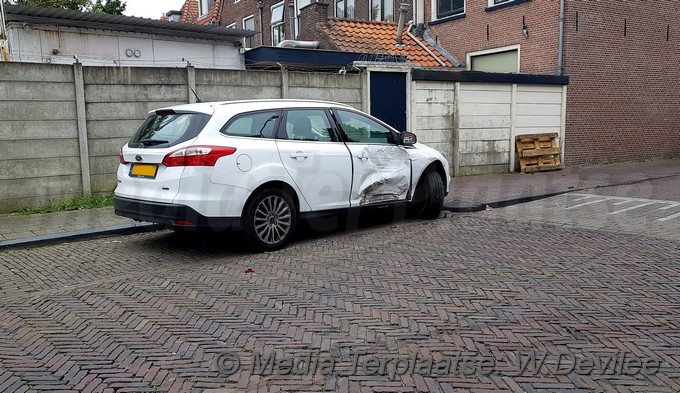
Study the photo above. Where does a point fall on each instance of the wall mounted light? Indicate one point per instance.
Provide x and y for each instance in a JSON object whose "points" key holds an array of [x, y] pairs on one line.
{"points": [[525, 29]]}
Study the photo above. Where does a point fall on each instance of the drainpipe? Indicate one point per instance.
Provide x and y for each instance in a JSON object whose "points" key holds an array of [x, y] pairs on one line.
{"points": [[260, 6], [403, 9], [3, 32], [560, 44], [291, 16]]}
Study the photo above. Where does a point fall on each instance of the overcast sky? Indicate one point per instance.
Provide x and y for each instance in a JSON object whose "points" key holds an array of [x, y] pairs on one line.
{"points": [[151, 8]]}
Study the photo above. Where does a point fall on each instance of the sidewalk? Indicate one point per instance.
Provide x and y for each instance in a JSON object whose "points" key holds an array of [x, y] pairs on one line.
{"points": [[471, 193]]}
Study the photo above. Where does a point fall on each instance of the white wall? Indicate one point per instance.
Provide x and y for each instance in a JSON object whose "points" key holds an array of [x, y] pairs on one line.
{"points": [[58, 45], [474, 124], [432, 118]]}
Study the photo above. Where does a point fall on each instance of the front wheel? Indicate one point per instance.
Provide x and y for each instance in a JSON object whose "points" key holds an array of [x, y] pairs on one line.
{"points": [[429, 196], [270, 220]]}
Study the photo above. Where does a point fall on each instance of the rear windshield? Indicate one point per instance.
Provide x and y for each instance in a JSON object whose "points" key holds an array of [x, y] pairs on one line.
{"points": [[168, 130]]}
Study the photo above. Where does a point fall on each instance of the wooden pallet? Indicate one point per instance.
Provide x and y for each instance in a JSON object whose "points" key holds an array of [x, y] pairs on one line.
{"points": [[538, 152]]}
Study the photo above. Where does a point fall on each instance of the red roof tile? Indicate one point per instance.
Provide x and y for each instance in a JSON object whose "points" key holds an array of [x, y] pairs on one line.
{"points": [[379, 37]]}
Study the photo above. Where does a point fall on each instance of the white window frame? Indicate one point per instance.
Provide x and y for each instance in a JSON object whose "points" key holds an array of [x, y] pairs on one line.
{"points": [[243, 25], [433, 9], [282, 22], [492, 3], [508, 48], [231, 26], [201, 5]]}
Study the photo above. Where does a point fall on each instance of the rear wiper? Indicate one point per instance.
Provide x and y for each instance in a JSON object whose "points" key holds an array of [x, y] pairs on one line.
{"points": [[151, 142]]}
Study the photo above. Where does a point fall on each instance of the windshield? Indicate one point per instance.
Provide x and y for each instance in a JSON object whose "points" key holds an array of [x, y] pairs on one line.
{"points": [[168, 129]]}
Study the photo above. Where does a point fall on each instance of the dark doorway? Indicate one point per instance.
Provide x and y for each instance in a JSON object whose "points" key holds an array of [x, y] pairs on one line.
{"points": [[388, 98]]}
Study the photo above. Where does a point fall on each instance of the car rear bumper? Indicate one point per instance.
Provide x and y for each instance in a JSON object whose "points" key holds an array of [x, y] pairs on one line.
{"points": [[169, 214]]}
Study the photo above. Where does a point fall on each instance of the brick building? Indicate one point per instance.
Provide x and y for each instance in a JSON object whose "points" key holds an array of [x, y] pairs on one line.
{"points": [[275, 16], [368, 36], [621, 58]]}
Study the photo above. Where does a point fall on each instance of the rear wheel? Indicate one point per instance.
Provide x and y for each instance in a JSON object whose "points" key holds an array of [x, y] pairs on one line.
{"points": [[429, 196], [270, 220]]}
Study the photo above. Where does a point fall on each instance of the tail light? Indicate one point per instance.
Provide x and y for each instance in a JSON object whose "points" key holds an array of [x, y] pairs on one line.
{"points": [[197, 156], [121, 158]]}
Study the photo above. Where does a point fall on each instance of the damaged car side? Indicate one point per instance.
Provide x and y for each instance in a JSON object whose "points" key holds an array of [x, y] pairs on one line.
{"points": [[259, 166]]}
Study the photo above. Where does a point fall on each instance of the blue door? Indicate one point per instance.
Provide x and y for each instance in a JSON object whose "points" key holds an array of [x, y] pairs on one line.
{"points": [[388, 98]]}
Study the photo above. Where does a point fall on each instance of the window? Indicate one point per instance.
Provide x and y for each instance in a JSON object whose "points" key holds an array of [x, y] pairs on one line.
{"points": [[450, 7], [495, 62], [308, 125], [382, 10], [255, 125], [165, 130], [504, 59], [248, 24], [496, 2], [344, 9], [361, 129], [204, 6], [231, 25], [278, 27]]}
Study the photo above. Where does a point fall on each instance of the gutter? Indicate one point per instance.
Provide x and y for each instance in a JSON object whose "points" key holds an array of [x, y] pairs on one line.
{"points": [[560, 44], [408, 32]]}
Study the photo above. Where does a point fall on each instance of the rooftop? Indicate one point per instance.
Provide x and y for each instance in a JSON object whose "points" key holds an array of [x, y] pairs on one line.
{"points": [[62, 17], [357, 35]]}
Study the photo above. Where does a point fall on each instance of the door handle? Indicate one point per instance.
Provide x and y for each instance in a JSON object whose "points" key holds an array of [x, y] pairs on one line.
{"points": [[362, 156], [299, 155]]}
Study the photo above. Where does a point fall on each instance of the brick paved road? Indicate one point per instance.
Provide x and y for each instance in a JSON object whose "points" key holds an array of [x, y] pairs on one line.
{"points": [[153, 312]]}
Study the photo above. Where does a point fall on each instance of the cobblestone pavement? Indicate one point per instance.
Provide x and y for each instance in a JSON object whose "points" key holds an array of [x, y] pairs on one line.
{"points": [[490, 303]]}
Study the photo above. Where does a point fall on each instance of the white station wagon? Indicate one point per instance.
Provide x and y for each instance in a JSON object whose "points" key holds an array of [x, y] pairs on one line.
{"points": [[261, 165]]}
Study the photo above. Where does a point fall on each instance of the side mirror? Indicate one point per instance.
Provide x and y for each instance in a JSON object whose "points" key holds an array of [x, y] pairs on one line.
{"points": [[408, 138]]}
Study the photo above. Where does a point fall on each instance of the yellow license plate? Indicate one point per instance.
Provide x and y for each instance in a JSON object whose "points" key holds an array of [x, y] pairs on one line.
{"points": [[143, 170]]}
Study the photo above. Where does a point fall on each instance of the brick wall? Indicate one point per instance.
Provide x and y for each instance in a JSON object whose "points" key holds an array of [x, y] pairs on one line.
{"points": [[624, 92], [538, 52], [623, 100]]}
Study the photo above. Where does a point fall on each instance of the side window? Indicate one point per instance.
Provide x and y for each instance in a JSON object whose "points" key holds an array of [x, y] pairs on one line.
{"points": [[308, 125], [361, 129], [255, 125]]}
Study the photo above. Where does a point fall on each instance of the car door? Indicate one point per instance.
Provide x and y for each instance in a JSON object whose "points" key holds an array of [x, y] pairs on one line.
{"points": [[382, 169], [315, 158]]}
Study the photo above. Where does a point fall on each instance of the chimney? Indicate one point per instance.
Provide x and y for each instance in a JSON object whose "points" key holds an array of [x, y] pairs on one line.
{"points": [[403, 9], [312, 14]]}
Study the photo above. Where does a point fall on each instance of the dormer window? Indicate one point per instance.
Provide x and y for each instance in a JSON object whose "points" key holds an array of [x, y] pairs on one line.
{"points": [[204, 6]]}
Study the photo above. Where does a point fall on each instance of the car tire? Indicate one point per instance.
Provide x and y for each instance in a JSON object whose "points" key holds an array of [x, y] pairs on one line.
{"points": [[270, 220], [429, 196]]}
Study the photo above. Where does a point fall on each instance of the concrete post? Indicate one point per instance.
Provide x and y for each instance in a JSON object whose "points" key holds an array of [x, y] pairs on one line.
{"points": [[513, 116], [455, 165], [284, 82], [82, 128], [365, 90], [563, 122], [191, 84]]}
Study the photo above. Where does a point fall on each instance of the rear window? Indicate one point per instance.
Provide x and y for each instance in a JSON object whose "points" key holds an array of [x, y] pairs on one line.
{"points": [[168, 129]]}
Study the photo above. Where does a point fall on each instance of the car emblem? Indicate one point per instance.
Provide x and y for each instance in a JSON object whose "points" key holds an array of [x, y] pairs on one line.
{"points": [[138, 157]]}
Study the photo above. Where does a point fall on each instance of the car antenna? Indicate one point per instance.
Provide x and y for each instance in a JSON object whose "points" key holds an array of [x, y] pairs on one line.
{"points": [[198, 99]]}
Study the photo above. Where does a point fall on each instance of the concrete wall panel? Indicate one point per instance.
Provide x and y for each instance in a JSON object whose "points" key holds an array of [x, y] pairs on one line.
{"points": [[46, 129]]}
